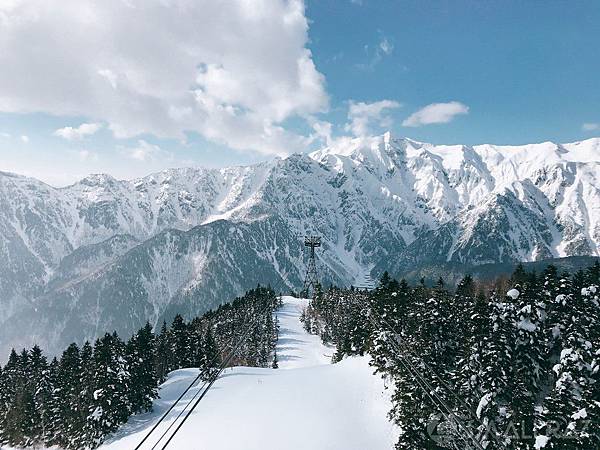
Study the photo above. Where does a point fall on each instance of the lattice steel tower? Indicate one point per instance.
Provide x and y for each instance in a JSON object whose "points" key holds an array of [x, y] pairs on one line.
{"points": [[311, 279]]}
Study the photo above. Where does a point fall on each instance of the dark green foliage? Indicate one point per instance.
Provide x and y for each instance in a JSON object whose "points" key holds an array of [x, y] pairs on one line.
{"points": [[211, 356], [76, 401], [179, 343], [518, 367], [143, 379], [109, 406], [162, 355]]}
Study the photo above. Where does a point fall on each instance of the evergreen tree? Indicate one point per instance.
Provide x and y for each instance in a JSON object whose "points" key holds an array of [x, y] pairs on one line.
{"points": [[179, 343], [67, 396], [48, 399], [472, 311], [110, 405], [495, 378], [212, 357], [76, 401], [20, 406], [10, 375], [143, 380], [3, 406], [161, 354], [41, 388], [529, 353], [86, 381], [574, 402]]}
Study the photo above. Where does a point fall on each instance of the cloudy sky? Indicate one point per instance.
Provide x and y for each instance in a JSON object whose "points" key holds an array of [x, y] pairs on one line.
{"points": [[129, 87]]}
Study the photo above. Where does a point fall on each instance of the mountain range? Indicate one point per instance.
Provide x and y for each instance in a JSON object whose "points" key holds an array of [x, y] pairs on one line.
{"points": [[106, 254]]}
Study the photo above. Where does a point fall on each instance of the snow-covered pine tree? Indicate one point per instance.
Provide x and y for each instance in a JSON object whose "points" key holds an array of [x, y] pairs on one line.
{"points": [[9, 376], [41, 390], [472, 312], [529, 351], [211, 354], [161, 354], [389, 301], [110, 405], [67, 399], [412, 408], [496, 381], [17, 425], [179, 343], [50, 405], [86, 390], [554, 294], [24, 406], [571, 411], [143, 381], [3, 405]]}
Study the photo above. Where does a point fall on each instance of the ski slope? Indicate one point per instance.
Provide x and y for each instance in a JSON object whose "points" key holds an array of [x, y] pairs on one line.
{"points": [[308, 403]]}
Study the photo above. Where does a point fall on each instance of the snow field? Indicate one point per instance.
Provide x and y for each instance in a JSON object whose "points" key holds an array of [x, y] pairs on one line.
{"points": [[307, 403]]}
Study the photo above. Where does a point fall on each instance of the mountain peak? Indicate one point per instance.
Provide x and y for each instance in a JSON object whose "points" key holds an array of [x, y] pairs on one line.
{"points": [[98, 179]]}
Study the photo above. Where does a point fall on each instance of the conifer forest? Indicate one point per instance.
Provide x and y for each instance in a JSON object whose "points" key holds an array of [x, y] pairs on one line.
{"points": [[515, 363], [76, 400]]}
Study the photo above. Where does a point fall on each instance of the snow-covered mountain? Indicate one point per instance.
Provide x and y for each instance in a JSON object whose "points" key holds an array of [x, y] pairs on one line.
{"points": [[104, 253]]}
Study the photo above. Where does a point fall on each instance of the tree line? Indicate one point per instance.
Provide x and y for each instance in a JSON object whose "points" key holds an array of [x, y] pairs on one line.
{"points": [[77, 399], [518, 360]]}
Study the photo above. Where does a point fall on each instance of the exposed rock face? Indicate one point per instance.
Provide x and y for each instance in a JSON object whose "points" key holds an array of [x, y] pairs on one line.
{"points": [[105, 254]]}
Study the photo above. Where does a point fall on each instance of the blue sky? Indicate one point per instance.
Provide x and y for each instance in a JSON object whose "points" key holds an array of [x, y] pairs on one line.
{"points": [[220, 84], [528, 70]]}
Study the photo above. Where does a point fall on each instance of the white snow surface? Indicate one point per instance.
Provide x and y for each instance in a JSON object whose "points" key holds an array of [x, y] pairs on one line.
{"points": [[308, 403], [541, 441], [513, 293], [368, 198], [403, 184]]}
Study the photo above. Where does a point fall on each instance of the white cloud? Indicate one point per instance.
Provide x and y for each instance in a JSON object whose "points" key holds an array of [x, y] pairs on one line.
{"points": [[85, 129], [361, 116], [5, 135], [435, 113], [232, 71], [589, 126], [386, 46], [323, 131], [146, 152], [87, 155], [25, 139]]}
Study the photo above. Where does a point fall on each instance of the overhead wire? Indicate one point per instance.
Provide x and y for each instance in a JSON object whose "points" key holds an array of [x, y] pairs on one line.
{"points": [[194, 381], [431, 393], [213, 379], [449, 389]]}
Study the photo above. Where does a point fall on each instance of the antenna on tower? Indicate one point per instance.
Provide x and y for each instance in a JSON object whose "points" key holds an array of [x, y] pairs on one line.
{"points": [[311, 279]]}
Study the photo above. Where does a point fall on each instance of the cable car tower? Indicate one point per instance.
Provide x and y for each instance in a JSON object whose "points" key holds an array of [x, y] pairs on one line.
{"points": [[311, 279]]}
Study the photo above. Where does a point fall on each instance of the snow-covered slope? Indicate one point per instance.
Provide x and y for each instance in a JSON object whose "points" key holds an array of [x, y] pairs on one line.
{"points": [[483, 203], [379, 203], [307, 403]]}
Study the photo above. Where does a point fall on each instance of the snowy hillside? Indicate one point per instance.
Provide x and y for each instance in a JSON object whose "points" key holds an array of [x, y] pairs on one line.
{"points": [[109, 254], [307, 403]]}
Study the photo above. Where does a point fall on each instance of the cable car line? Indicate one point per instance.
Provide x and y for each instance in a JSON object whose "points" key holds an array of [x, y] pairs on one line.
{"points": [[441, 405], [202, 389], [449, 389], [194, 381]]}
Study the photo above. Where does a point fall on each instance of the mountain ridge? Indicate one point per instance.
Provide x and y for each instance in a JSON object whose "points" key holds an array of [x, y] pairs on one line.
{"points": [[379, 203]]}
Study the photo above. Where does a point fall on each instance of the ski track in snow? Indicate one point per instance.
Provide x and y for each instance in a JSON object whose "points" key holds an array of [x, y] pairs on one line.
{"points": [[308, 403]]}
